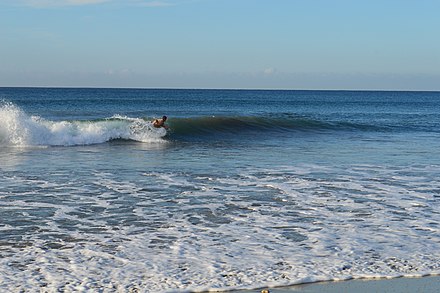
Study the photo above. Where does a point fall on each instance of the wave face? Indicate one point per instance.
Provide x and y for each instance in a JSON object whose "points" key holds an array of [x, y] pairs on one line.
{"points": [[235, 125], [19, 129]]}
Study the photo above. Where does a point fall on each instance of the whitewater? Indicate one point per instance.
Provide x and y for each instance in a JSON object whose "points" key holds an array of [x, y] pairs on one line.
{"points": [[247, 189], [19, 129]]}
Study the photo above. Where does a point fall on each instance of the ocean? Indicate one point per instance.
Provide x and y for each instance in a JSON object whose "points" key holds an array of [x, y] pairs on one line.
{"points": [[246, 189]]}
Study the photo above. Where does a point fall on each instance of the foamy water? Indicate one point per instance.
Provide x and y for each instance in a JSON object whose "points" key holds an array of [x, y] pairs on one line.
{"points": [[19, 129], [171, 231]]}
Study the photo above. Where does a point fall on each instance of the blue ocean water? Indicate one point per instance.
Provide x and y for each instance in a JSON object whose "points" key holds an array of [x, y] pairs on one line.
{"points": [[248, 188]]}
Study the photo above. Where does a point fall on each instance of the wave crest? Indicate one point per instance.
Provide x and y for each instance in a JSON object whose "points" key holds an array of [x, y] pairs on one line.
{"points": [[19, 129]]}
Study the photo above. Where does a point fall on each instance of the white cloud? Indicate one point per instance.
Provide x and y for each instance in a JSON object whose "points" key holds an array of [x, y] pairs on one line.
{"points": [[270, 71], [121, 72], [84, 2], [55, 3], [156, 4], [61, 3]]}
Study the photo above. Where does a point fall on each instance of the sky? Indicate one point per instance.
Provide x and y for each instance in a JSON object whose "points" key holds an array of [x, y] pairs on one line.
{"points": [[261, 44]]}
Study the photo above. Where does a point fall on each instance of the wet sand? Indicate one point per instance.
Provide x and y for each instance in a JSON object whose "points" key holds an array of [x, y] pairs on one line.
{"points": [[398, 285]]}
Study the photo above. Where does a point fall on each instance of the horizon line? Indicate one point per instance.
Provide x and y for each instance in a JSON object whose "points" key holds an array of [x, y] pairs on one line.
{"points": [[214, 88]]}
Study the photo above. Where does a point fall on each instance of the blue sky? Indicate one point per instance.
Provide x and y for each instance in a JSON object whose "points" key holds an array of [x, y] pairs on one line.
{"points": [[289, 44]]}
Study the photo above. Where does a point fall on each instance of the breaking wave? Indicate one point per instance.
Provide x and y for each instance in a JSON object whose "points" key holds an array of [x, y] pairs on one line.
{"points": [[20, 129], [17, 128]]}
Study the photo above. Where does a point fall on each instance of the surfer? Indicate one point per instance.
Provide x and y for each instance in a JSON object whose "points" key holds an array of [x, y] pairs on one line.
{"points": [[158, 123]]}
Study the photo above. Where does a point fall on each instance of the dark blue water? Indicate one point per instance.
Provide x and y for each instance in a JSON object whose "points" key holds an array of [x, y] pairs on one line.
{"points": [[246, 189], [366, 107]]}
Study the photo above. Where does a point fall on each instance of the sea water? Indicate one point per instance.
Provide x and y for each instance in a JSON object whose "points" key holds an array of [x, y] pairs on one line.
{"points": [[246, 189]]}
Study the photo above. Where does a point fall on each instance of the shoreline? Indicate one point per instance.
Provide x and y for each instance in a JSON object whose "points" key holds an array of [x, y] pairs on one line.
{"points": [[425, 284]]}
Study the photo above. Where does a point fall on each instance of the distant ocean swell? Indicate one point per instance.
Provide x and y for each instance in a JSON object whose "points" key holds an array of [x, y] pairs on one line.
{"points": [[19, 129]]}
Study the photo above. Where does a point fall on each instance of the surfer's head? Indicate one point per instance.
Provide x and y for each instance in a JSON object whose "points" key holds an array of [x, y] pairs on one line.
{"points": [[164, 118]]}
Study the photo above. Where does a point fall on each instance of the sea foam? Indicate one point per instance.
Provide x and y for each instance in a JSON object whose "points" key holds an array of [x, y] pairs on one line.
{"points": [[20, 129], [179, 232]]}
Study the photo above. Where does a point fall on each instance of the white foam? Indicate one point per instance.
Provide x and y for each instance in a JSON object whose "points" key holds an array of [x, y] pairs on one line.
{"points": [[160, 232], [19, 129]]}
